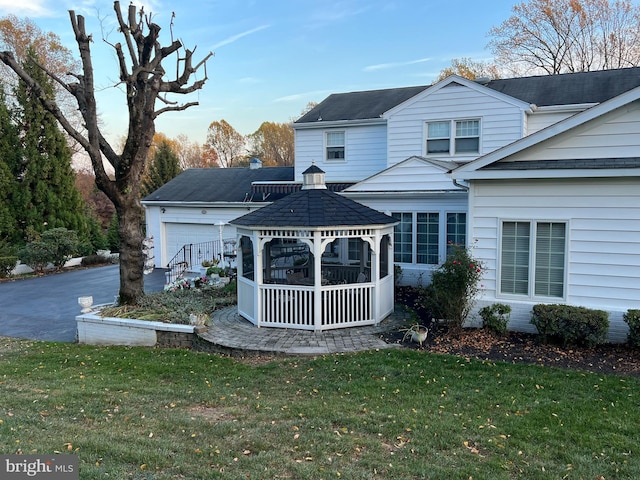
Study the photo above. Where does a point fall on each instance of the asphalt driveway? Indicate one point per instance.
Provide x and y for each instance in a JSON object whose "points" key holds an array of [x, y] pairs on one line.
{"points": [[45, 308]]}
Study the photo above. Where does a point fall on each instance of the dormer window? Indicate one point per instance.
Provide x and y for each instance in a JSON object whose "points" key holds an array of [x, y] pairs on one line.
{"points": [[335, 145], [465, 138]]}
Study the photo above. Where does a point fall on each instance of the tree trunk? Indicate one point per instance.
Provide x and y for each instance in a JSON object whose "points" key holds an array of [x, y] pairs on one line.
{"points": [[131, 230]]}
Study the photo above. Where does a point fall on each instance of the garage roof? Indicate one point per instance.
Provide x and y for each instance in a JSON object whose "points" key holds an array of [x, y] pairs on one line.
{"points": [[209, 185]]}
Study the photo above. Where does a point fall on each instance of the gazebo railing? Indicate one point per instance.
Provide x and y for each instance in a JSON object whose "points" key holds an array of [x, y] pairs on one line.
{"points": [[292, 306]]}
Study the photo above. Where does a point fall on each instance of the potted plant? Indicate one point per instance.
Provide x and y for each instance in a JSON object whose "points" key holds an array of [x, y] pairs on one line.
{"points": [[417, 333]]}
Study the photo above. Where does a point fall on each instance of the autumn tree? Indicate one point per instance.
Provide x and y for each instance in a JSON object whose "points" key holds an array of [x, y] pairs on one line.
{"points": [[560, 36], [97, 202], [18, 36], [9, 158], [45, 196], [226, 142], [142, 76], [469, 68], [164, 166], [273, 144], [193, 154]]}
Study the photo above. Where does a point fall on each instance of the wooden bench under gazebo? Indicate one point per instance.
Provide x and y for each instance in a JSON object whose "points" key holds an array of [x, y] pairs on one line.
{"points": [[315, 260]]}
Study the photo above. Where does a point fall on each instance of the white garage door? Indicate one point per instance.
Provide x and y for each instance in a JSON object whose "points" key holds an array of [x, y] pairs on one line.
{"points": [[181, 234]]}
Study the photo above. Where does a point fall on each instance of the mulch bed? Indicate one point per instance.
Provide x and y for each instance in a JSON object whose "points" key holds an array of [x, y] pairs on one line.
{"points": [[518, 347]]}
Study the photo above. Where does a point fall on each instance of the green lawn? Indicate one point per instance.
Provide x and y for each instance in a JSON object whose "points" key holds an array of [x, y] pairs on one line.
{"points": [[163, 414]]}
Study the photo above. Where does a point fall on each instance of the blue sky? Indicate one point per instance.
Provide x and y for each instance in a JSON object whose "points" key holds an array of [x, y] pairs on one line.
{"points": [[273, 57]]}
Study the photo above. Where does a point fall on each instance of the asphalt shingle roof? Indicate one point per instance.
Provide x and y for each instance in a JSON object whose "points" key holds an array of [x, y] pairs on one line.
{"points": [[359, 105], [314, 208], [562, 89], [209, 185], [569, 88]]}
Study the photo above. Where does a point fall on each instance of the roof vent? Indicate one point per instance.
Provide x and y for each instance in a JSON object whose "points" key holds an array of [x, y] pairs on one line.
{"points": [[313, 178], [482, 80]]}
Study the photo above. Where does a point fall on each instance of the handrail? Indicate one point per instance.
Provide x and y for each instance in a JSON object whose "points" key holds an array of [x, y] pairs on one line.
{"points": [[193, 254]]}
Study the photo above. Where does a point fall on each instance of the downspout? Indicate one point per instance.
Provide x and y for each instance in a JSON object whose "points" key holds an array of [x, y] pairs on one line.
{"points": [[459, 185]]}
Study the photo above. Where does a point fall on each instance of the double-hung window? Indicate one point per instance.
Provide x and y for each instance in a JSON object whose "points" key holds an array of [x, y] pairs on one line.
{"points": [[335, 145], [532, 259], [464, 140]]}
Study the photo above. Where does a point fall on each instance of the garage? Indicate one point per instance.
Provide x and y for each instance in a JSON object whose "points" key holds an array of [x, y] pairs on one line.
{"points": [[178, 235]]}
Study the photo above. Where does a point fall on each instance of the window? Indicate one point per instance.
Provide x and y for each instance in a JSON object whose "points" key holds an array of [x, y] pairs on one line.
{"points": [[547, 276], [335, 145], [428, 238], [421, 237], [466, 138], [456, 229], [403, 238], [438, 137]]}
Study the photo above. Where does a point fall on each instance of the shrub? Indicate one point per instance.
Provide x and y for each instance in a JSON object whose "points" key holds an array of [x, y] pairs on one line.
{"points": [[90, 260], [54, 246], [496, 317], [35, 255], [7, 264], [454, 287], [570, 325], [632, 317]]}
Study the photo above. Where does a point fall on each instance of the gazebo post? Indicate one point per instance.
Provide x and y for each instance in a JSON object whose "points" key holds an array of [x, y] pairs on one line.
{"points": [[317, 280]]}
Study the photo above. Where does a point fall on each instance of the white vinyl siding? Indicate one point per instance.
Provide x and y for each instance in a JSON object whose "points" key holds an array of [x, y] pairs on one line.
{"points": [[602, 218], [365, 153], [614, 135], [502, 122]]}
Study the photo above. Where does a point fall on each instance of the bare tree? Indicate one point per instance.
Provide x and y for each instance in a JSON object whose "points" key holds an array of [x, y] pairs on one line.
{"points": [[559, 36], [141, 72], [228, 144], [468, 68]]}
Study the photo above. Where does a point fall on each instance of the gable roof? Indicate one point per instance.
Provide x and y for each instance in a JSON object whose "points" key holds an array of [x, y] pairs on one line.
{"points": [[544, 90], [431, 174], [209, 185], [365, 105], [569, 88], [314, 208], [490, 165]]}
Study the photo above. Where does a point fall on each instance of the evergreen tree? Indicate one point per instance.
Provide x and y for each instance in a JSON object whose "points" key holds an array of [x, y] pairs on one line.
{"points": [[47, 196], [9, 156], [164, 166]]}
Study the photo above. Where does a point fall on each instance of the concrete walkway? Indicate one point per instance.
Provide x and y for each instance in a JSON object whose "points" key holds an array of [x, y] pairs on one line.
{"points": [[234, 334]]}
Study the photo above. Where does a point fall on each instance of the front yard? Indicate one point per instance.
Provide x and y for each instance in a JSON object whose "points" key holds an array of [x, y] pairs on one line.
{"points": [[160, 414]]}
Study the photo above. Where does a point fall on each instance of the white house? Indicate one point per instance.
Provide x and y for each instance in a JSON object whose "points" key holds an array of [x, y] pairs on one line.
{"points": [[447, 161]]}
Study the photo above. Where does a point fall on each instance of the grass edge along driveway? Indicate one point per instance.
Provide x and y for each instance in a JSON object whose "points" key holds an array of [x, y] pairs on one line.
{"points": [[162, 414]]}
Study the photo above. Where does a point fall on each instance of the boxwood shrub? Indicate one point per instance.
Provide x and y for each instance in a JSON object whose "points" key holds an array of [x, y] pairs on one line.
{"points": [[7, 264], [570, 325], [632, 317]]}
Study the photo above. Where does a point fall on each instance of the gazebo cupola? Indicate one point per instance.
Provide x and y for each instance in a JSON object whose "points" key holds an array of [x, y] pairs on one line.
{"points": [[315, 260]]}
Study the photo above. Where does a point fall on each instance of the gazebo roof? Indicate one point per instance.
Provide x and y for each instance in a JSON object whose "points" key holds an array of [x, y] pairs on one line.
{"points": [[314, 208]]}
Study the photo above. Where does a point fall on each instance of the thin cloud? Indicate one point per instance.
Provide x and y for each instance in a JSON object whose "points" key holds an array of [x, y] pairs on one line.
{"points": [[300, 96], [25, 8], [385, 66], [234, 38]]}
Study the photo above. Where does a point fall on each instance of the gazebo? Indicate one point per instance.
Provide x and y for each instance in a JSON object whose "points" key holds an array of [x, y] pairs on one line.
{"points": [[315, 260]]}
